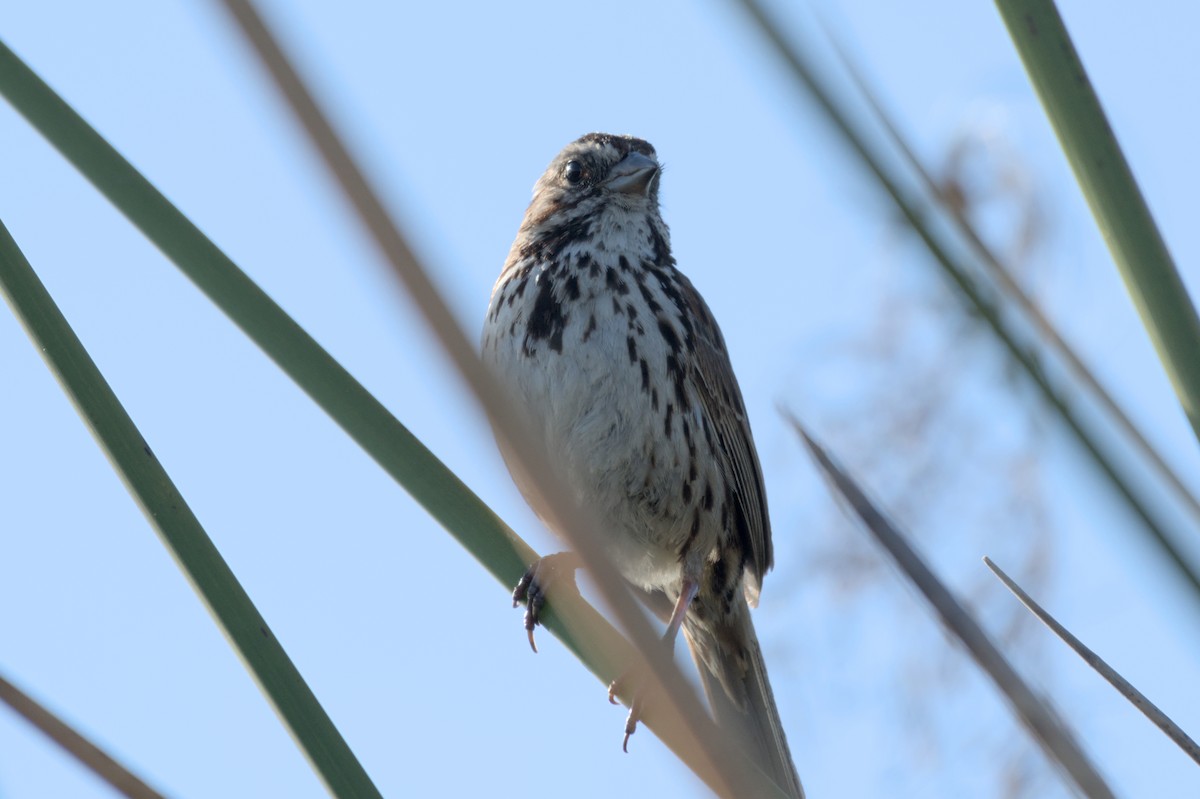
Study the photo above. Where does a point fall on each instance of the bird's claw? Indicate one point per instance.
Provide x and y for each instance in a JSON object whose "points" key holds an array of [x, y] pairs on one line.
{"points": [[532, 589], [529, 591], [635, 708], [630, 728], [537, 581]]}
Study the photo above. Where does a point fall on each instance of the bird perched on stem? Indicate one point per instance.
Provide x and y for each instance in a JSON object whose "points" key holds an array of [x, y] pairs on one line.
{"points": [[623, 371]]}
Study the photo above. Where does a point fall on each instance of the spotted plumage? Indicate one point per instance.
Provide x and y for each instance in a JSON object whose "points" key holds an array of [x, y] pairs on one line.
{"points": [[623, 370]]}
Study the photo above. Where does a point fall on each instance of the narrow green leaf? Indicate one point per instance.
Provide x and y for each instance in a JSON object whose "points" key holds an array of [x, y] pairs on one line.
{"points": [[1112, 192], [178, 527]]}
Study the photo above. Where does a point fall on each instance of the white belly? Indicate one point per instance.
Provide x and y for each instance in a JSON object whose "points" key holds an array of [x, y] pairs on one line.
{"points": [[581, 382]]}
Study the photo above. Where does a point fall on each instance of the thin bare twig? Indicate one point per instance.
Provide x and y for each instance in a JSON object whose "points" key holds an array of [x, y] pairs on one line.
{"points": [[1135, 697], [1008, 284], [100, 762], [1036, 714]]}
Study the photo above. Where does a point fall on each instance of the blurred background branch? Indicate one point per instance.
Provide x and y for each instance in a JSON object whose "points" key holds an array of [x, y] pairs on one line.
{"points": [[1039, 718], [982, 301]]}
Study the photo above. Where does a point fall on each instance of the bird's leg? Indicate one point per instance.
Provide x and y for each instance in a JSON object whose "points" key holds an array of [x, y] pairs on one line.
{"points": [[538, 579], [688, 592], [686, 595]]}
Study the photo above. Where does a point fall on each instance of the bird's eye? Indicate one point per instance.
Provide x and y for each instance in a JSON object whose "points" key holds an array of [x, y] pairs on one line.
{"points": [[573, 172]]}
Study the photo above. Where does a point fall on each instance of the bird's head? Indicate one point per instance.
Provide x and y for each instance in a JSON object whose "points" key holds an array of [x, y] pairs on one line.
{"points": [[593, 172]]}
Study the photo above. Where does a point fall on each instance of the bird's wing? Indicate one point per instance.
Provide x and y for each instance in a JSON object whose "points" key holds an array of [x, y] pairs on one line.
{"points": [[721, 400]]}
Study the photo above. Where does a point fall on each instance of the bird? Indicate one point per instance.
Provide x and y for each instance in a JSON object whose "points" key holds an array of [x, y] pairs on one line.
{"points": [[624, 374]]}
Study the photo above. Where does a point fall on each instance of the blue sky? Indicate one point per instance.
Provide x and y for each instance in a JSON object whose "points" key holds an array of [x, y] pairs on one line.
{"points": [[412, 648]]}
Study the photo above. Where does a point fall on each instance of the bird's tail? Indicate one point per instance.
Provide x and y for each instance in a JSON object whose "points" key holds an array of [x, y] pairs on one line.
{"points": [[734, 674]]}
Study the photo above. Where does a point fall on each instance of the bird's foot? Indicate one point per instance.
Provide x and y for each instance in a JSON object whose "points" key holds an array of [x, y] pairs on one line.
{"points": [[618, 686], [543, 575], [686, 595]]}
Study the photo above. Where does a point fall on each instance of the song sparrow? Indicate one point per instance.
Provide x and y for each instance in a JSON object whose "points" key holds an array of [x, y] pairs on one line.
{"points": [[624, 373]]}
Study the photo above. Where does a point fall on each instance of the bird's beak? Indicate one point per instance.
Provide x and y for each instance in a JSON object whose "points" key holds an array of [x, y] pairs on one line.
{"points": [[633, 174]]}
